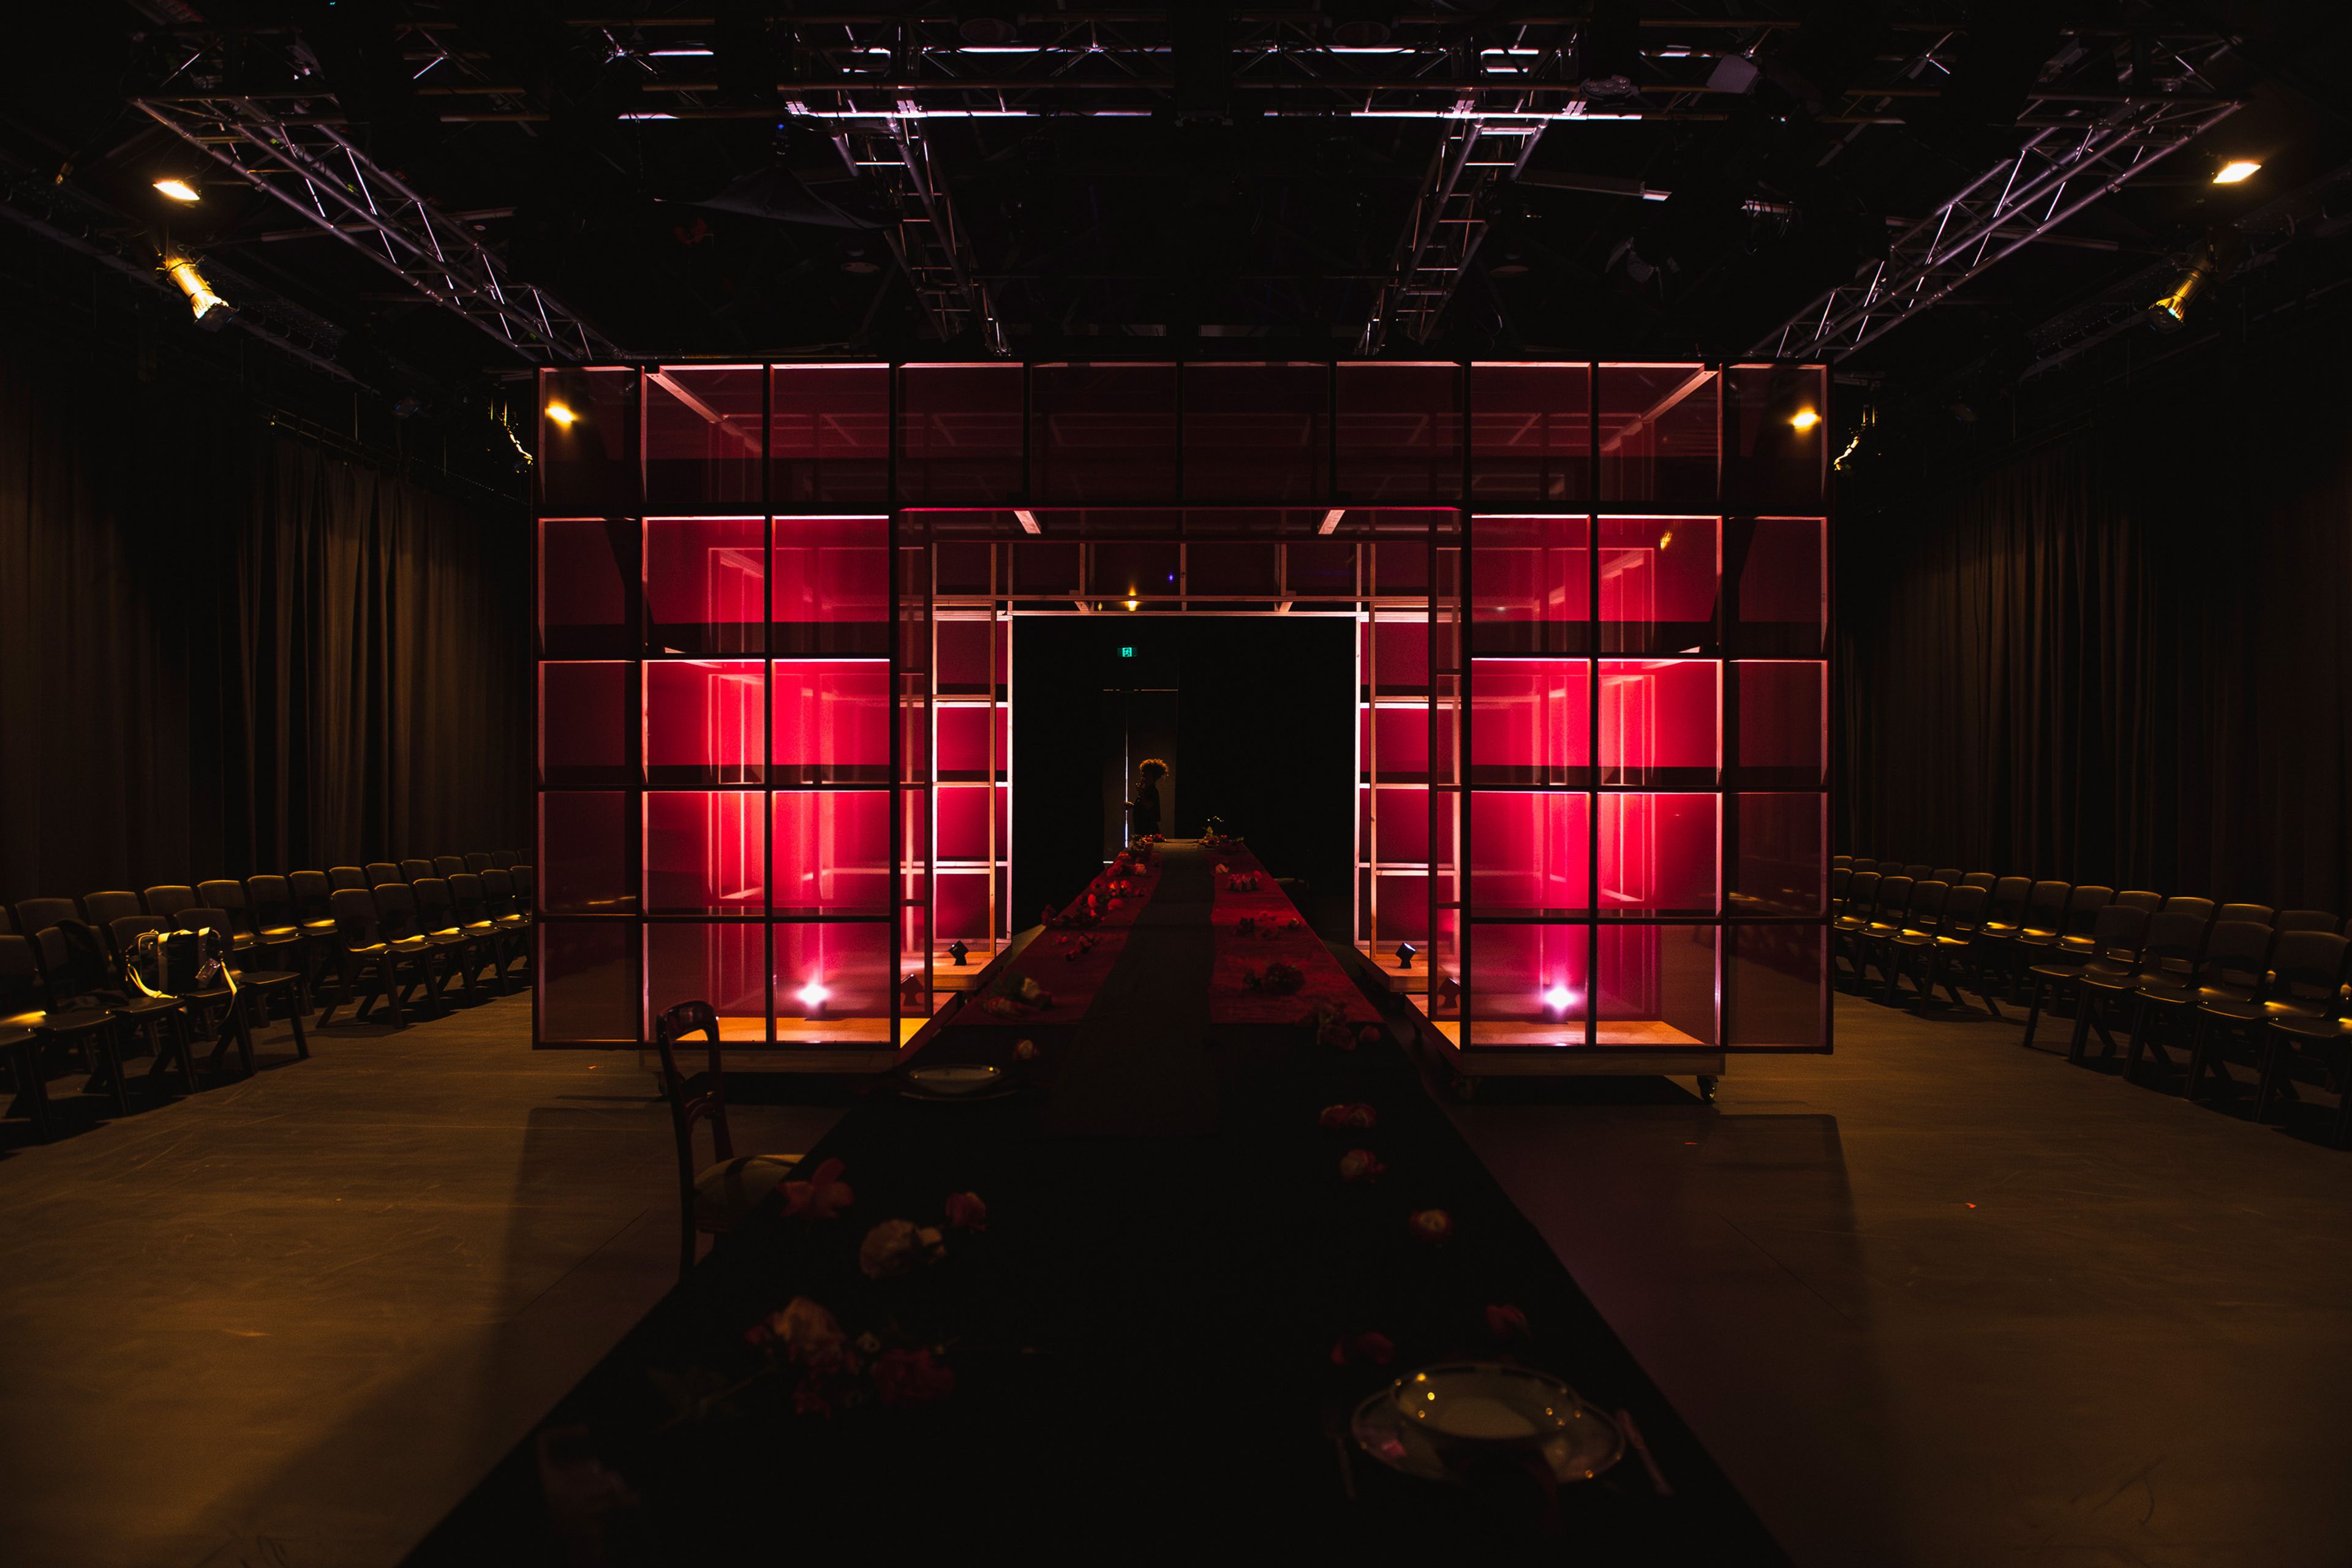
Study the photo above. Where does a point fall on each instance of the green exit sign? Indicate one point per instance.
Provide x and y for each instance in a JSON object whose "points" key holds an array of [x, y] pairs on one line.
{"points": [[1127, 651]]}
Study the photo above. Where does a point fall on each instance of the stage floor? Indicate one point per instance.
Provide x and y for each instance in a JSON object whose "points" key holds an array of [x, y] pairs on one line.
{"points": [[1934, 1299]]}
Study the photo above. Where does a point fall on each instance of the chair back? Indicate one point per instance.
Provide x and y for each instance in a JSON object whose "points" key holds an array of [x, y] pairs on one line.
{"points": [[102, 910], [1918, 873], [1895, 897], [347, 877], [273, 904], [1861, 893], [467, 902], [524, 885], [1863, 863], [73, 961], [1839, 877], [2307, 966], [698, 1097], [2008, 901], [2175, 943], [413, 871], [2140, 900], [1978, 880], [36, 915], [2202, 907], [169, 898], [2117, 932], [1964, 909], [395, 911], [2237, 954], [448, 866], [476, 862], [1842, 862], [1927, 904], [20, 978], [2259, 913], [436, 911], [379, 872], [1947, 875], [498, 894], [2304, 919], [2082, 906], [314, 894], [503, 859], [229, 899], [354, 916], [2045, 906]]}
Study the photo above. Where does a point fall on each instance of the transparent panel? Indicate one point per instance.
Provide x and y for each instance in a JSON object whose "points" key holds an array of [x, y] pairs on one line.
{"points": [[1046, 569], [1255, 432], [1103, 433], [702, 439], [587, 981], [832, 720], [1783, 723], [1784, 851], [705, 720], [833, 982], [583, 724], [829, 435], [1780, 435], [1778, 980], [1783, 585], [964, 822], [705, 584], [588, 441], [1658, 584], [832, 586], [960, 435], [1530, 852], [1233, 571], [1400, 907], [1531, 434], [587, 567], [832, 852], [960, 912], [1399, 433], [973, 742], [1530, 584], [1325, 568], [1658, 854], [584, 854], [1659, 720], [1655, 985], [1392, 739], [1401, 830], [1395, 651], [971, 657], [1120, 570], [706, 853], [725, 965], [1658, 436], [1530, 721], [1527, 984]]}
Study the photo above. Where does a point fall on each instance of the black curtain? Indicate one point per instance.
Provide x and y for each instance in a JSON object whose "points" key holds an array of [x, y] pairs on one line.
{"points": [[224, 650], [2116, 652]]}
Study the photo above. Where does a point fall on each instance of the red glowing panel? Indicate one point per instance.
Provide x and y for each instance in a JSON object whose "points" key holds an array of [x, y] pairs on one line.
{"points": [[832, 973], [961, 434], [1530, 721], [1783, 588], [832, 852], [829, 435], [1531, 851], [1783, 721], [1658, 434], [1400, 905], [1531, 433], [1658, 854], [1394, 741], [585, 973], [964, 816], [832, 572], [1779, 457], [706, 852], [725, 965], [972, 741], [584, 723], [1778, 980], [1658, 581], [1254, 432], [1396, 655], [1403, 828], [1655, 985], [583, 861], [1531, 584], [960, 913], [1527, 984], [584, 589], [588, 441], [703, 721], [1658, 721], [1782, 840], [832, 720], [705, 584], [1399, 432], [702, 439]]}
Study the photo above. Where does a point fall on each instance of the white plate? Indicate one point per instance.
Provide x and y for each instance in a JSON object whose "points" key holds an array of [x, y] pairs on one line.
{"points": [[955, 1077], [1437, 1422]]}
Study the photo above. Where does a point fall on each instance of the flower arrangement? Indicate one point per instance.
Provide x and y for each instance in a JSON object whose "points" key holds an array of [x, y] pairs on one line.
{"points": [[1360, 1166], [1278, 979], [1013, 995], [1355, 1114]]}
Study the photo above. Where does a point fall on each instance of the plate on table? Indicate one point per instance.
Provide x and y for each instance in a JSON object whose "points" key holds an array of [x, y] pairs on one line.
{"points": [[1441, 1421], [957, 1080]]}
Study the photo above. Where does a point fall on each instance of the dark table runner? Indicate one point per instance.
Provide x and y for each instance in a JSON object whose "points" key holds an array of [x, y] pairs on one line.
{"points": [[1156, 1341]]}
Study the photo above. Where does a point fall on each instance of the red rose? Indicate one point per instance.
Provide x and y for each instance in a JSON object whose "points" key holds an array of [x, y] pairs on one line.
{"points": [[1429, 1225], [822, 1196], [1360, 1166], [966, 1212], [1354, 1115], [1506, 1323], [911, 1377], [1368, 1349], [1024, 1051]]}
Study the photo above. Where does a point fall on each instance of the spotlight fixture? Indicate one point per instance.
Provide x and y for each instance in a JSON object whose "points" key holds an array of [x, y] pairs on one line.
{"points": [[1405, 950], [958, 952], [1449, 993], [1805, 419], [2236, 171], [562, 414], [212, 311], [2215, 255], [181, 190]]}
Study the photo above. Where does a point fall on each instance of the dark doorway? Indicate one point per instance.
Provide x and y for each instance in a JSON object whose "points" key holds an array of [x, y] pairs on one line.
{"points": [[1254, 715]]}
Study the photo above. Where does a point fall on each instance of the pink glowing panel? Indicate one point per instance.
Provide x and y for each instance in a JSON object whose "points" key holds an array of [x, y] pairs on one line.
{"points": [[1531, 851], [703, 721], [588, 461], [832, 720], [1655, 985], [831, 971], [833, 851], [1401, 829], [1400, 905], [1781, 854], [583, 861], [1399, 432], [584, 723], [829, 435], [1530, 433], [1783, 590], [832, 575], [1393, 742], [1530, 584], [1255, 432], [963, 822], [1659, 720], [972, 741], [706, 852], [702, 439], [971, 657], [705, 584], [1777, 984], [1783, 721], [585, 973], [959, 912], [1780, 434], [1658, 854], [1527, 984], [1396, 655], [1102, 433], [725, 965], [1658, 434], [584, 589], [1658, 582], [1530, 721], [960, 435]]}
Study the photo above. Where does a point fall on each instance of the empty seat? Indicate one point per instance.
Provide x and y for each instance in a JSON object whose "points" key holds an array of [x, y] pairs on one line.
{"points": [[1948, 942], [1978, 880], [448, 866], [380, 872], [477, 861], [2260, 914], [2138, 900], [282, 945], [2202, 907], [24, 1038], [1919, 873], [2112, 946], [2174, 944], [1947, 875], [346, 876], [375, 963], [503, 859], [2305, 972], [2304, 919], [71, 1018], [101, 909], [476, 918], [1916, 922], [2230, 969], [415, 871], [35, 915], [436, 916], [168, 900], [77, 961]]}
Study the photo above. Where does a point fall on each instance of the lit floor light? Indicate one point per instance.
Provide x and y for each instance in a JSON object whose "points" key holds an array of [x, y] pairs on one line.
{"points": [[812, 996], [1557, 999]]}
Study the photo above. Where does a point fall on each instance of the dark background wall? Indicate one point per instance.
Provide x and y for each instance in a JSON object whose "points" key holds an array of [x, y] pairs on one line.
{"points": [[224, 649], [2111, 645]]}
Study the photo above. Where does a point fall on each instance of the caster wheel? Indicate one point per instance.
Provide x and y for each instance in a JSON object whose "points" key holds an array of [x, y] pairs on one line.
{"points": [[1464, 1087], [1707, 1089]]}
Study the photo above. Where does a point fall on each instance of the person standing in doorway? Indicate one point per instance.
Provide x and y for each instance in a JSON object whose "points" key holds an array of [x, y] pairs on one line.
{"points": [[1143, 811]]}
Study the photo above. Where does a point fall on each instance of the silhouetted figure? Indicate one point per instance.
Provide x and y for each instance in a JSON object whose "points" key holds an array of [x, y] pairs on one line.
{"points": [[1143, 811]]}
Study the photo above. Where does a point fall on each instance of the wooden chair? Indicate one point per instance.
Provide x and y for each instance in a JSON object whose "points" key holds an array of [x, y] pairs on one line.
{"points": [[717, 1197]]}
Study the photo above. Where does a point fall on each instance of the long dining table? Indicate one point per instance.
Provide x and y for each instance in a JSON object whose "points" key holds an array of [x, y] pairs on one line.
{"points": [[1123, 1301]]}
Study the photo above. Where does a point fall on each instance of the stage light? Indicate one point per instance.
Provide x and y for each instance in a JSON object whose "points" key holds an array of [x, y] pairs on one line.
{"points": [[1804, 418], [1558, 997], [1131, 604], [212, 311], [179, 190], [812, 996], [2220, 251], [562, 415], [2236, 170], [1405, 950]]}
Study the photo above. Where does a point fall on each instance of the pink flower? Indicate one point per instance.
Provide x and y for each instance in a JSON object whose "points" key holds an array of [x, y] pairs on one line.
{"points": [[911, 1377], [822, 1196], [1024, 1051], [808, 1332], [897, 1246], [1506, 1323], [966, 1212], [1429, 1226], [1368, 1349], [1360, 1166], [1354, 1115]]}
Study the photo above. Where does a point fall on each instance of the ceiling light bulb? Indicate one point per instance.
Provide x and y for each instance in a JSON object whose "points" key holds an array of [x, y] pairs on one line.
{"points": [[2235, 170], [560, 414], [1805, 419], [179, 190]]}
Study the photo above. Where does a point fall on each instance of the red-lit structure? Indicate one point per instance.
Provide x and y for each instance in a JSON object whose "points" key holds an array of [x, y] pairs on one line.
{"points": [[773, 615]]}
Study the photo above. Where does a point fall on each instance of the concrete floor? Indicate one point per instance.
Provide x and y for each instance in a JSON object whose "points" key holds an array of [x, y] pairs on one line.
{"points": [[290, 1320]]}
